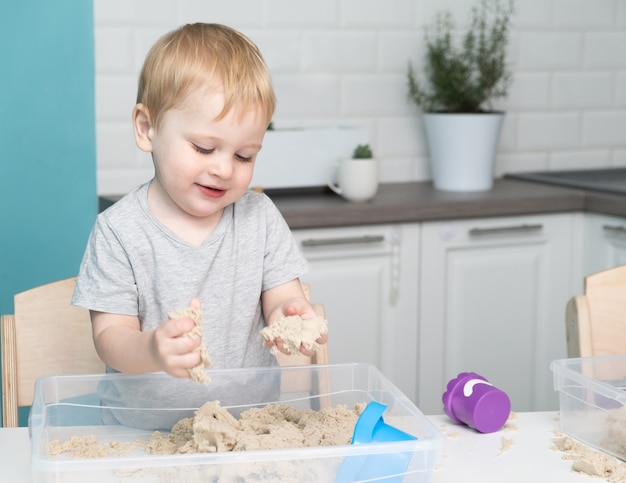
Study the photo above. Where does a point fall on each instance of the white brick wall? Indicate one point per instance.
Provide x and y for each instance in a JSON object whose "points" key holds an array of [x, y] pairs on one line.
{"points": [[344, 62]]}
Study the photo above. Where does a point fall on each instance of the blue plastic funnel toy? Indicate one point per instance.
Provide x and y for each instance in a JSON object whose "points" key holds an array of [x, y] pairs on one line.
{"points": [[371, 428]]}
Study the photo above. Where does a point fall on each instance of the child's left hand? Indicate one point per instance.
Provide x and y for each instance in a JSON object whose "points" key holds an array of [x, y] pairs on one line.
{"points": [[297, 304], [302, 308]]}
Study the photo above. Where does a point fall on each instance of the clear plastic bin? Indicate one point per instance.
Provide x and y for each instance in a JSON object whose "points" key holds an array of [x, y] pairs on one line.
{"points": [[66, 406], [592, 398]]}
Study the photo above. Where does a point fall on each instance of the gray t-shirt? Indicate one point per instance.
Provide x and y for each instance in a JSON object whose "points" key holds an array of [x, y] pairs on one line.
{"points": [[133, 265]]}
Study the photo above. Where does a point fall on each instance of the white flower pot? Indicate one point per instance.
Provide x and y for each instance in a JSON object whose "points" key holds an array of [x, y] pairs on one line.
{"points": [[463, 149]]}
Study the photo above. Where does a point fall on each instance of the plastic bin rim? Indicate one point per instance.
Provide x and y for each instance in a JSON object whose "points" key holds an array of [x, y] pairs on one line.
{"points": [[561, 367], [240, 370]]}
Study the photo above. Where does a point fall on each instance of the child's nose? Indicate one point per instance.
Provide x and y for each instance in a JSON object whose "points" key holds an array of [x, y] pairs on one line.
{"points": [[221, 166]]}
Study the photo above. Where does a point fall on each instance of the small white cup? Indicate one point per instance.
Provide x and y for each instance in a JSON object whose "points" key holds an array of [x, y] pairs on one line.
{"points": [[357, 179]]}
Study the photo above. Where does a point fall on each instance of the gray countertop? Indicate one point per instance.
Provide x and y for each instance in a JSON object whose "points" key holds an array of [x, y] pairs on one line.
{"points": [[419, 201], [416, 202]]}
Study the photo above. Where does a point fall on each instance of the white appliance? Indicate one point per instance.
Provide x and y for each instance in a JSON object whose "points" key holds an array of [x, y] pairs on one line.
{"points": [[304, 157]]}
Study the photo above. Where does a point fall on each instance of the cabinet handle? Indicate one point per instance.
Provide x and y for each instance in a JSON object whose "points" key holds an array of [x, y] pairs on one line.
{"points": [[505, 229], [618, 230], [318, 242]]}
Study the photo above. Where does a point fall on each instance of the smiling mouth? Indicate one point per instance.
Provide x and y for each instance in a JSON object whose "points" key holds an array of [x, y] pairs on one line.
{"points": [[211, 190]]}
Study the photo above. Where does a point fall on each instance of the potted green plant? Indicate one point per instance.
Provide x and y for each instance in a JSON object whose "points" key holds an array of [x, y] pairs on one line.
{"points": [[461, 79], [362, 151], [356, 178]]}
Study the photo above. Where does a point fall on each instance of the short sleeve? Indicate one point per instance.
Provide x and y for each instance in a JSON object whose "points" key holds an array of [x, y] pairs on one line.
{"points": [[283, 259], [106, 281]]}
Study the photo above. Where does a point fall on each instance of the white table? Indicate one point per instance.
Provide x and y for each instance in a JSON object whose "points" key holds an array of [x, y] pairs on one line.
{"points": [[14, 455], [468, 456]]}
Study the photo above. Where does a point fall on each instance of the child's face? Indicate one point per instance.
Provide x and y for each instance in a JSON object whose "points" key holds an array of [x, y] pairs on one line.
{"points": [[203, 165]]}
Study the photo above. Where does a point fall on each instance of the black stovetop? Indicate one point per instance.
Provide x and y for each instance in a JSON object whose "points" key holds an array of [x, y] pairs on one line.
{"points": [[609, 180]]}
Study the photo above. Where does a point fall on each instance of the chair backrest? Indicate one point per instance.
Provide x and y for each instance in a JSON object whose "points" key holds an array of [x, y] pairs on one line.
{"points": [[596, 321], [46, 336], [49, 336]]}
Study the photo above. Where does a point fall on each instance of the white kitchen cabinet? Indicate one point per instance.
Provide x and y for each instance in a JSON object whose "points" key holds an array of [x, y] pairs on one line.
{"points": [[605, 242], [492, 298], [366, 278]]}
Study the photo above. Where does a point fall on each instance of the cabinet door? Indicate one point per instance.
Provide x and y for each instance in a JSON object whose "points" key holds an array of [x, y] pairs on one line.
{"points": [[606, 242], [493, 296], [366, 278]]}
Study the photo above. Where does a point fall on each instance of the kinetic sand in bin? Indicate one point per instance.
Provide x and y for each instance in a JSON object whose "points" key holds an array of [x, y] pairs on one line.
{"points": [[213, 429]]}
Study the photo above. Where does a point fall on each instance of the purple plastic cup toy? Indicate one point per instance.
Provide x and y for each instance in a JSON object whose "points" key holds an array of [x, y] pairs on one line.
{"points": [[470, 399]]}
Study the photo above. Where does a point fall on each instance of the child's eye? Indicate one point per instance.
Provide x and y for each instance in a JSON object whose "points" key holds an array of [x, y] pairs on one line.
{"points": [[203, 150], [245, 159]]}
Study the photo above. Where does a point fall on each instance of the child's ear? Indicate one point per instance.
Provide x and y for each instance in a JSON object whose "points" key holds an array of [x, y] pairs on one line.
{"points": [[143, 128]]}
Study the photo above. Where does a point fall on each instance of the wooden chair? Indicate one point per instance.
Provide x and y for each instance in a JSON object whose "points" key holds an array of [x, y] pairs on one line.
{"points": [[46, 336], [596, 321], [49, 336]]}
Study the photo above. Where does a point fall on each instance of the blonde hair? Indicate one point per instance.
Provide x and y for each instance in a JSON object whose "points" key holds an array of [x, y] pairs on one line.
{"points": [[199, 55]]}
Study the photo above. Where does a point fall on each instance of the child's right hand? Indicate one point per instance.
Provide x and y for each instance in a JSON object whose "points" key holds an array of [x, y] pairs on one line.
{"points": [[173, 349]]}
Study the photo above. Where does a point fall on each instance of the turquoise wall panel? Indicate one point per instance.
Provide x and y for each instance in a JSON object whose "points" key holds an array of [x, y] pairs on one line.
{"points": [[48, 195]]}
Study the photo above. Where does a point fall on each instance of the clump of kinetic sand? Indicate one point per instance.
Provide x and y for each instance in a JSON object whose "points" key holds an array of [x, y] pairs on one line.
{"points": [[295, 332], [193, 312]]}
